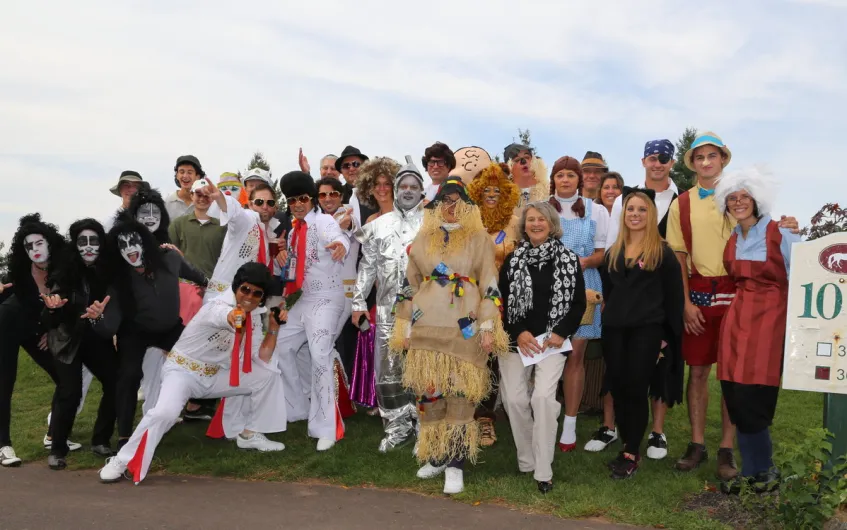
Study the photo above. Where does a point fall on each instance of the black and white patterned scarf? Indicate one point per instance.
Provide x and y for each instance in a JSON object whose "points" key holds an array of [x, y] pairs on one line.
{"points": [[564, 271]]}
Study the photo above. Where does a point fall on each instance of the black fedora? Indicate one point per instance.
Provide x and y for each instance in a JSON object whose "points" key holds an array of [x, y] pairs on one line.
{"points": [[348, 151]]}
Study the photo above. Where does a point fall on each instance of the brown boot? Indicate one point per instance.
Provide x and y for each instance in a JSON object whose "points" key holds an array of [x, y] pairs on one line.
{"points": [[727, 470], [694, 455], [487, 434]]}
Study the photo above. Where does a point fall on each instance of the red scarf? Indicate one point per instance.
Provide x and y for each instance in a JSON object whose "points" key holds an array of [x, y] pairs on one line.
{"points": [[248, 351], [263, 253], [298, 243]]}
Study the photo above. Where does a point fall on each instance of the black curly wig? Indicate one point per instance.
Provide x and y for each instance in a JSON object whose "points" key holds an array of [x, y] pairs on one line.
{"points": [[70, 267], [126, 224], [149, 195], [20, 266]]}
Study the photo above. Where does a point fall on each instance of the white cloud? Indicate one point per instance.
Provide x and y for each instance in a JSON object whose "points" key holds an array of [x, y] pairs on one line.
{"points": [[109, 86]]}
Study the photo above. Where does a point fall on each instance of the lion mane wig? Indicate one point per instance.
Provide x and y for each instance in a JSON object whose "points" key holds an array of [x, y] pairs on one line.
{"points": [[495, 174]]}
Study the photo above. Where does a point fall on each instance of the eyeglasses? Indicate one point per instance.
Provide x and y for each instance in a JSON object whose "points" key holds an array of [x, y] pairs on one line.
{"points": [[255, 293], [348, 165], [261, 202], [302, 199], [331, 194], [745, 199], [435, 162], [523, 160]]}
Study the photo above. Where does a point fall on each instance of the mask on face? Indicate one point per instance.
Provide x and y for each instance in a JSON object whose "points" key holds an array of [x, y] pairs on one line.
{"points": [[88, 245], [36, 248], [150, 216], [131, 248], [409, 193]]}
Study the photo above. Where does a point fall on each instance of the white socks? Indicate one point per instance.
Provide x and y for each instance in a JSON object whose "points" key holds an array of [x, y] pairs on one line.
{"points": [[569, 430]]}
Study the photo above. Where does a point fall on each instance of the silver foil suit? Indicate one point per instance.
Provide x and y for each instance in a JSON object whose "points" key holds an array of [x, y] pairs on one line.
{"points": [[384, 260]]}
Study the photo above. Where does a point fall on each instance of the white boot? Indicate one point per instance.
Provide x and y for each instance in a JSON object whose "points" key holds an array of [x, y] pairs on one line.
{"points": [[431, 471], [258, 442], [454, 481], [113, 471], [325, 444]]}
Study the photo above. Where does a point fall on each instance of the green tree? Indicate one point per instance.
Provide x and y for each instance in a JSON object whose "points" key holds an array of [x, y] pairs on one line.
{"points": [[259, 161], [4, 261], [524, 137], [683, 177]]}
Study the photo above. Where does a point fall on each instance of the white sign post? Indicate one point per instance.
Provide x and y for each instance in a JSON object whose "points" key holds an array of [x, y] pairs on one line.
{"points": [[816, 331]]}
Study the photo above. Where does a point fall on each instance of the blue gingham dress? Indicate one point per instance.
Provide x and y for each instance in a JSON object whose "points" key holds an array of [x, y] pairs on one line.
{"points": [[578, 235]]}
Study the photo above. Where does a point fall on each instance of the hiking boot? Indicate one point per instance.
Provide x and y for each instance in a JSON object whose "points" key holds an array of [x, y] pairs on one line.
{"points": [[727, 470], [657, 446], [694, 455], [486, 430], [627, 468], [601, 439]]}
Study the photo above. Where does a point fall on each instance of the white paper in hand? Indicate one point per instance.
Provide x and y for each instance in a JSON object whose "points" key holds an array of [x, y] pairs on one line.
{"points": [[538, 357]]}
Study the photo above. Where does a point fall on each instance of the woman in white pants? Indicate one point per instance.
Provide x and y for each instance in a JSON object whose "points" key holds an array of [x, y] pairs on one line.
{"points": [[544, 299]]}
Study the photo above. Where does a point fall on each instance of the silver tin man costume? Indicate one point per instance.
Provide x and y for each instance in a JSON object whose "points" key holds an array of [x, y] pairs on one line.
{"points": [[384, 259]]}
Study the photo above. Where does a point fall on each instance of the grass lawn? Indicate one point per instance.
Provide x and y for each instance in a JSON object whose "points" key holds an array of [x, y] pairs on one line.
{"points": [[655, 496]]}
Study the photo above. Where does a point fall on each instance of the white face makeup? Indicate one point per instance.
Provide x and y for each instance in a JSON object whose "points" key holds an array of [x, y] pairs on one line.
{"points": [[230, 189], [150, 216], [409, 192], [88, 245], [131, 248], [36, 248]]}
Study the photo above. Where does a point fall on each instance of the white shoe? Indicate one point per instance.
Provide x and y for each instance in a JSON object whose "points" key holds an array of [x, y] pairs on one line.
{"points": [[140, 395], [601, 439], [454, 481], [72, 446], [113, 471], [325, 444], [657, 446], [258, 442], [431, 471], [8, 458], [49, 415]]}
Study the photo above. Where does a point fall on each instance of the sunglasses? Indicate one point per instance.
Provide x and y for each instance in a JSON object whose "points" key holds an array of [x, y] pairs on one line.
{"points": [[330, 194], [255, 293], [261, 202], [348, 165], [302, 199]]}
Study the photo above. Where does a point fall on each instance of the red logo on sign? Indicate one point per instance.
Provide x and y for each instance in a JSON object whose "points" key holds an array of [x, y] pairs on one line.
{"points": [[834, 258]]}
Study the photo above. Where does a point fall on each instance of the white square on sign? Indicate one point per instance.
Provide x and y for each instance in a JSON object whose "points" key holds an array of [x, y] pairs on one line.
{"points": [[824, 349]]}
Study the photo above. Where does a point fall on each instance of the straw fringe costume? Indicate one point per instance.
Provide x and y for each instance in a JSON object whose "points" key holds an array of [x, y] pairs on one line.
{"points": [[448, 297]]}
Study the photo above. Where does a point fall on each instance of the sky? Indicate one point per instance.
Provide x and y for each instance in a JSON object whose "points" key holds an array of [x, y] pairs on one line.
{"points": [[90, 88]]}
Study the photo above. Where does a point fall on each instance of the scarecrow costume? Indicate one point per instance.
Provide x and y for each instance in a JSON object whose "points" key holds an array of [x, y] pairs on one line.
{"points": [[448, 301]]}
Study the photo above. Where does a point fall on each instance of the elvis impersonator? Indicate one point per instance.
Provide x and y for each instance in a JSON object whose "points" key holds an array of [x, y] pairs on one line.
{"points": [[221, 353], [384, 258], [317, 247]]}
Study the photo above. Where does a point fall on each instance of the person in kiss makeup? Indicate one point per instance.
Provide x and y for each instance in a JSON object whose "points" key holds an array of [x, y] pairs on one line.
{"points": [[642, 289], [141, 308], [79, 279], [21, 325]]}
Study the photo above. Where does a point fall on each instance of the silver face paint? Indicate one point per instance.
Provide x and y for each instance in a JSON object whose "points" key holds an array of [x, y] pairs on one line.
{"points": [[36, 248], [150, 216], [409, 193], [131, 248], [88, 245]]}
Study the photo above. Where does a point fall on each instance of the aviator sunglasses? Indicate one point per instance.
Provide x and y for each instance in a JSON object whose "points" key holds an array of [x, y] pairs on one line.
{"points": [[331, 194], [261, 202], [255, 293], [302, 199]]}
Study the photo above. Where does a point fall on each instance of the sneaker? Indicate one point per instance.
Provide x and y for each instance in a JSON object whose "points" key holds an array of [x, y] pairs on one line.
{"points": [[72, 446], [454, 481], [431, 471], [113, 471], [657, 446], [626, 469], [487, 434], [8, 458], [56, 463], [545, 487], [325, 444], [695, 454], [601, 439], [201, 414], [616, 461], [727, 470], [766, 481], [103, 450], [258, 442]]}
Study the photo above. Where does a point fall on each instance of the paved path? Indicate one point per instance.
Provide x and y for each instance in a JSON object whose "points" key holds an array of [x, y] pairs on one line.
{"points": [[35, 498]]}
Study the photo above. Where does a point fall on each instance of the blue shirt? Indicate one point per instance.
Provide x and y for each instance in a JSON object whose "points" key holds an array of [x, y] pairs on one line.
{"points": [[755, 246]]}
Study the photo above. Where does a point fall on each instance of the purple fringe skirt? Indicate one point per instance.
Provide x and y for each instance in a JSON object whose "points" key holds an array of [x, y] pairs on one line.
{"points": [[363, 388]]}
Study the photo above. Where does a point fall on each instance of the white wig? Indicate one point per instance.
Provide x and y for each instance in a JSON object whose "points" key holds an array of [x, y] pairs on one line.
{"points": [[757, 181]]}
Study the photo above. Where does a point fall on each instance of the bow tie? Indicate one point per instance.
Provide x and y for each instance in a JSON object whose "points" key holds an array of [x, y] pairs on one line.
{"points": [[706, 193]]}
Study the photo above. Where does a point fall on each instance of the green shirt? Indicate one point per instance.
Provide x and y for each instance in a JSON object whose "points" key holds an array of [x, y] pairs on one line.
{"points": [[200, 242]]}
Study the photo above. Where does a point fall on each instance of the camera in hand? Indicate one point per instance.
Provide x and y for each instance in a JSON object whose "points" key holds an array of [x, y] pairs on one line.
{"points": [[364, 324], [275, 312]]}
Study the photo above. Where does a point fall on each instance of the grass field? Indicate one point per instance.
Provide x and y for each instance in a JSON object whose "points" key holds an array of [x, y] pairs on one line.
{"points": [[655, 496]]}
